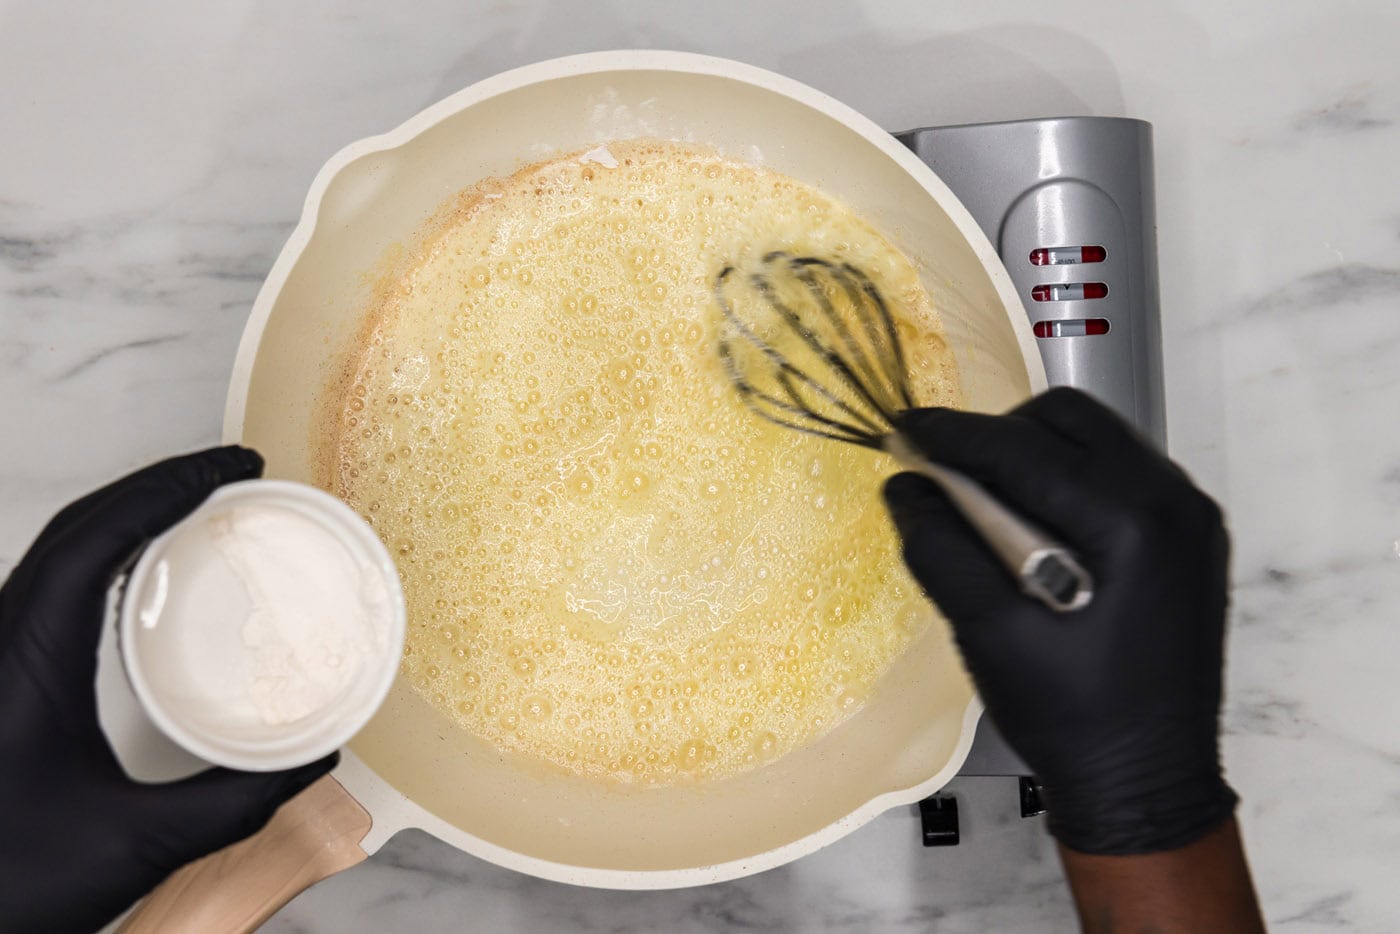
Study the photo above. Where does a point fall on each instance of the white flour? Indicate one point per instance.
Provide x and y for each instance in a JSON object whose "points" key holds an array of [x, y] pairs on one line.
{"points": [[316, 617]]}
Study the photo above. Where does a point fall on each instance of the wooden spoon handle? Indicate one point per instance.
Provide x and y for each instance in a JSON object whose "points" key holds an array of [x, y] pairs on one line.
{"points": [[311, 837]]}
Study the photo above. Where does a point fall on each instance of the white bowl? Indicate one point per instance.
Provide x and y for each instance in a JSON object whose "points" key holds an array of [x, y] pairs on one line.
{"points": [[235, 692]]}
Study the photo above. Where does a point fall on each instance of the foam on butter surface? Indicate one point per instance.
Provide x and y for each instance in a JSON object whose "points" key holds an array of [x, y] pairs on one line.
{"points": [[610, 564]]}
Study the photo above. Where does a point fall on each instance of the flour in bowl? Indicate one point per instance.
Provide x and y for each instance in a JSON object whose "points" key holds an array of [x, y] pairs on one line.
{"points": [[313, 617]]}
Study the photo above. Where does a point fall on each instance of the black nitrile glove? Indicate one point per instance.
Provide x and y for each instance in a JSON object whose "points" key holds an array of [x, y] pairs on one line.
{"points": [[81, 840], [1115, 706]]}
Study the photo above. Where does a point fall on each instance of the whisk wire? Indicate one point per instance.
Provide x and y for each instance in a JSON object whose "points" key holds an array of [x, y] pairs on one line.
{"points": [[896, 367], [858, 387], [761, 402], [851, 385], [794, 381], [839, 365], [798, 393], [861, 374]]}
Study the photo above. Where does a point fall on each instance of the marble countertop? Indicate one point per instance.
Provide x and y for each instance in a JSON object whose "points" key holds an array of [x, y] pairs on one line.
{"points": [[155, 157]]}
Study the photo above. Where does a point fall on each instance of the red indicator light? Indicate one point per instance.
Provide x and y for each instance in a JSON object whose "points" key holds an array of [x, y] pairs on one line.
{"points": [[1080, 327], [1069, 291], [1067, 255]]}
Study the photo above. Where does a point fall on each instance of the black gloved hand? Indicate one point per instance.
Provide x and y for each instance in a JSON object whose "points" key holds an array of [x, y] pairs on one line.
{"points": [[1115, 706], [81, 840]]}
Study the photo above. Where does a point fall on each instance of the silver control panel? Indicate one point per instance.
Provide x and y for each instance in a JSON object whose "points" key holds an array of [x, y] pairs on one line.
{"points": [[1068, 204]]}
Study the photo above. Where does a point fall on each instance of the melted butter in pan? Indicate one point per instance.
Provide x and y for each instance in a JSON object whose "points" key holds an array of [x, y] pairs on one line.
{"points": [[611, 565]]}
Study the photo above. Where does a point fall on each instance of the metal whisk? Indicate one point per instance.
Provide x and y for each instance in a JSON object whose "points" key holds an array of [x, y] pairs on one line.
{"points": [[812, 345]]}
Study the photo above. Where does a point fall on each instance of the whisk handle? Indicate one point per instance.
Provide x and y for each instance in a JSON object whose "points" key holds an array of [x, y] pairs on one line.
{"points": [[1043, 567]]}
